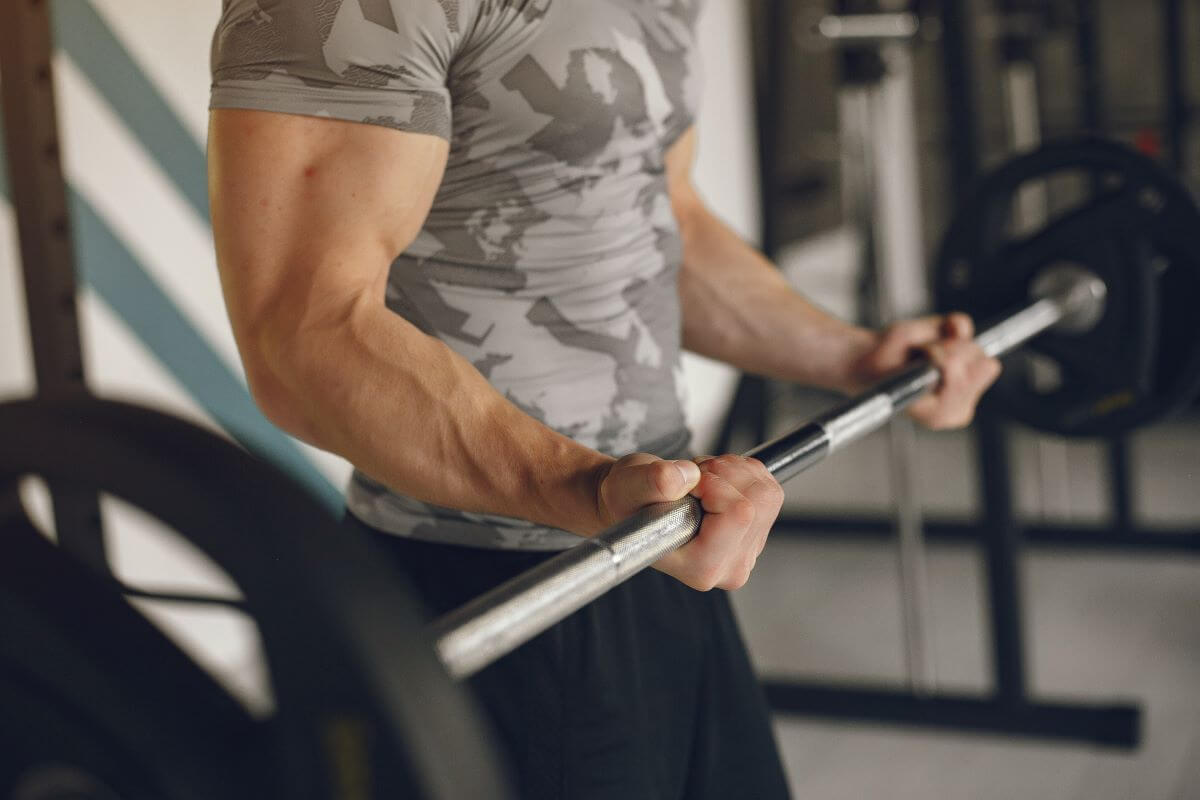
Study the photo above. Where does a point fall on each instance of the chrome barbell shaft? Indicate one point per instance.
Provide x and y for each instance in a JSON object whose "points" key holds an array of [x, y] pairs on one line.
{"points": [[499, 621]]}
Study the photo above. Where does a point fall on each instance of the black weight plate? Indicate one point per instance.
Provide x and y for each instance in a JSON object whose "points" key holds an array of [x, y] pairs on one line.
{"points": [[52, 753], [364, 709], [94, 697], [1136, 228]]}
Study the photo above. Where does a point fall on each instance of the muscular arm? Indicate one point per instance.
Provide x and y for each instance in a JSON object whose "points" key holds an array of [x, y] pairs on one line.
{"points": [[308, 215], [738, 308]]}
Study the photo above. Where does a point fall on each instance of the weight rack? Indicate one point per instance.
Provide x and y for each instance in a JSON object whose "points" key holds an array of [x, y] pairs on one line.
{"points": [[1008, 709]]}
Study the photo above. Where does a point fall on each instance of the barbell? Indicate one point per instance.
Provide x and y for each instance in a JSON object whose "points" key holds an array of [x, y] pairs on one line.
{"points": [[1104, 294]]}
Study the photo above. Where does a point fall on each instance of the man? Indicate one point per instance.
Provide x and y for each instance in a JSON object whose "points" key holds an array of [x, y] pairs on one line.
{"points": [[460, 247]]}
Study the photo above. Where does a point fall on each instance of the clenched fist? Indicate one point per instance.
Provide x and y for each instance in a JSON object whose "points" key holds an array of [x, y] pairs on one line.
{"points": [[740, 498], [946, 341]]}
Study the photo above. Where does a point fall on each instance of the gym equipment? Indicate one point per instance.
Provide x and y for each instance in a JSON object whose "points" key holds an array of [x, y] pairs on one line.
{"points": [[96, 703], [35, 172], [1135, 228], [93, 695], [1053, 265], [361, 711], [389, 721]]}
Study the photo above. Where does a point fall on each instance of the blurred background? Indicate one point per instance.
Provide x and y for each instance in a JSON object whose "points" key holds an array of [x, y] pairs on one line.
{"points": [[1105, 601]]}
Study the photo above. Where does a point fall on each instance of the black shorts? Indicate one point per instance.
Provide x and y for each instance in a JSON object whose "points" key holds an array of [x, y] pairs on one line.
{"points": [[645, 694]]}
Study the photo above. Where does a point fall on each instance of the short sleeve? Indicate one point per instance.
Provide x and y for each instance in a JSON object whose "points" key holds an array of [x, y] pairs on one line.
{"points": [[383, 62]]}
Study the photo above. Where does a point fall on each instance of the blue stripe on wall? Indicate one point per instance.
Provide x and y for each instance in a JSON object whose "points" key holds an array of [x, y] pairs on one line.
{"points": [[100, 56]]}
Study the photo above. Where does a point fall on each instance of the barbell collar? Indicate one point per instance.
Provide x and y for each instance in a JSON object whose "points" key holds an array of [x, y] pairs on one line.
{"points": [[497, 622], [1082, 293]]}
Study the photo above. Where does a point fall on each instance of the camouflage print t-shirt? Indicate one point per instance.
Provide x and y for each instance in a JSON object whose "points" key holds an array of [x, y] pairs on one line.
{"points": [[550, 256]]}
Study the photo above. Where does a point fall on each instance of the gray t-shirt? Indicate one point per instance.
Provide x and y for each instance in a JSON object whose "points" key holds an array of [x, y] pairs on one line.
{"points": [[550, 256]]}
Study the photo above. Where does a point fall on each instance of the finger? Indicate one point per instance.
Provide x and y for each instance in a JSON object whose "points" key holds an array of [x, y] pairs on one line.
{"points": [[767, 496], [981, 373], [986, 370], [640, 480], [718, 495], [738, 470], [900, 340], [966, 374], [717, 553], [957, 325], [937, 408]]}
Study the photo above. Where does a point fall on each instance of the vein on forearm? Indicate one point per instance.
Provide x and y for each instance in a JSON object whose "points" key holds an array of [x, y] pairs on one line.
{"points": [[415, 415]]}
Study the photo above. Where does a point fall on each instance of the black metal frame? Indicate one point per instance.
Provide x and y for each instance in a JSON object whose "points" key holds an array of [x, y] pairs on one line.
{"points": [[48, 262], [1060, 536], [1008, 709], [1114, 725], [39, 198]]}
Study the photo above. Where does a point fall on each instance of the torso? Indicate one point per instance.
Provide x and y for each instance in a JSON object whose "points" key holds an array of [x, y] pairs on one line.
{"points": [[550, 256]]}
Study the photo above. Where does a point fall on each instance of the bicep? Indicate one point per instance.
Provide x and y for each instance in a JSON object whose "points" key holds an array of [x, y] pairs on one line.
{"points": [[308, 213]]}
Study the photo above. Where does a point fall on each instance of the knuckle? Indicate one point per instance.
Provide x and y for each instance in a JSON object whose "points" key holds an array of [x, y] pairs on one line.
{"points": [[730, 584], [765, 492], [735, 580], [936, 422], [705, 579], [989, 369], [706, 568], [747, 566], [634, 459]]}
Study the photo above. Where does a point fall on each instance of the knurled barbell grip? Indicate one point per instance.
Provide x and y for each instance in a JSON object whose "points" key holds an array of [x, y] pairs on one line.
{"points": [[499, 621]]}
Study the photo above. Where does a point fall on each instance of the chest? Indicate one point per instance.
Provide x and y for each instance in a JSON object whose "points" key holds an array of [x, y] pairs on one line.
{"points": [[580, 81]]}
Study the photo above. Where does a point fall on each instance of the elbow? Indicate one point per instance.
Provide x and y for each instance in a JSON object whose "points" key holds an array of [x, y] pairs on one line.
{"points": [[294, 351], [691, 215], [277, 401], [276, 376]]}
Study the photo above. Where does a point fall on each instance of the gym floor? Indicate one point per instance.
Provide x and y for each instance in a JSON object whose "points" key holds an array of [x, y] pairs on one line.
{"points": [[1100, 626]]}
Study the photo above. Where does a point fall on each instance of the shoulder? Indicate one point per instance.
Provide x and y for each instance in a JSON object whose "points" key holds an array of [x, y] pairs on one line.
{"points": [[315, 35]]}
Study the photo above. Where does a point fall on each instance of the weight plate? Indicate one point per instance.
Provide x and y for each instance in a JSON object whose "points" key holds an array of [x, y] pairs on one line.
{"points": [[97, 703], [1119, 215], [363, 707]]}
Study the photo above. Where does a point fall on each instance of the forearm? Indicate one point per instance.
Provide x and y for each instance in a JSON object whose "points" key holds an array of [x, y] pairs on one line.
{"points": [[409, 411], [738, 308]]}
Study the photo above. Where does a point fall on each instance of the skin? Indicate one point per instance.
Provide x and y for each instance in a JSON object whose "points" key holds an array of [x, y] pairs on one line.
{"points": [[308, 215]]}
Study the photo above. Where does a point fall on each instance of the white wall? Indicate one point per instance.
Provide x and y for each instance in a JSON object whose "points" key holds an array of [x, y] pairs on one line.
{"points": [[727, 176], [109, 168]]}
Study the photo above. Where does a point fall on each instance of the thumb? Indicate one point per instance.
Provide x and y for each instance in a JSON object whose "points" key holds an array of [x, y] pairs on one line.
{"points": [[629, 486]]}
